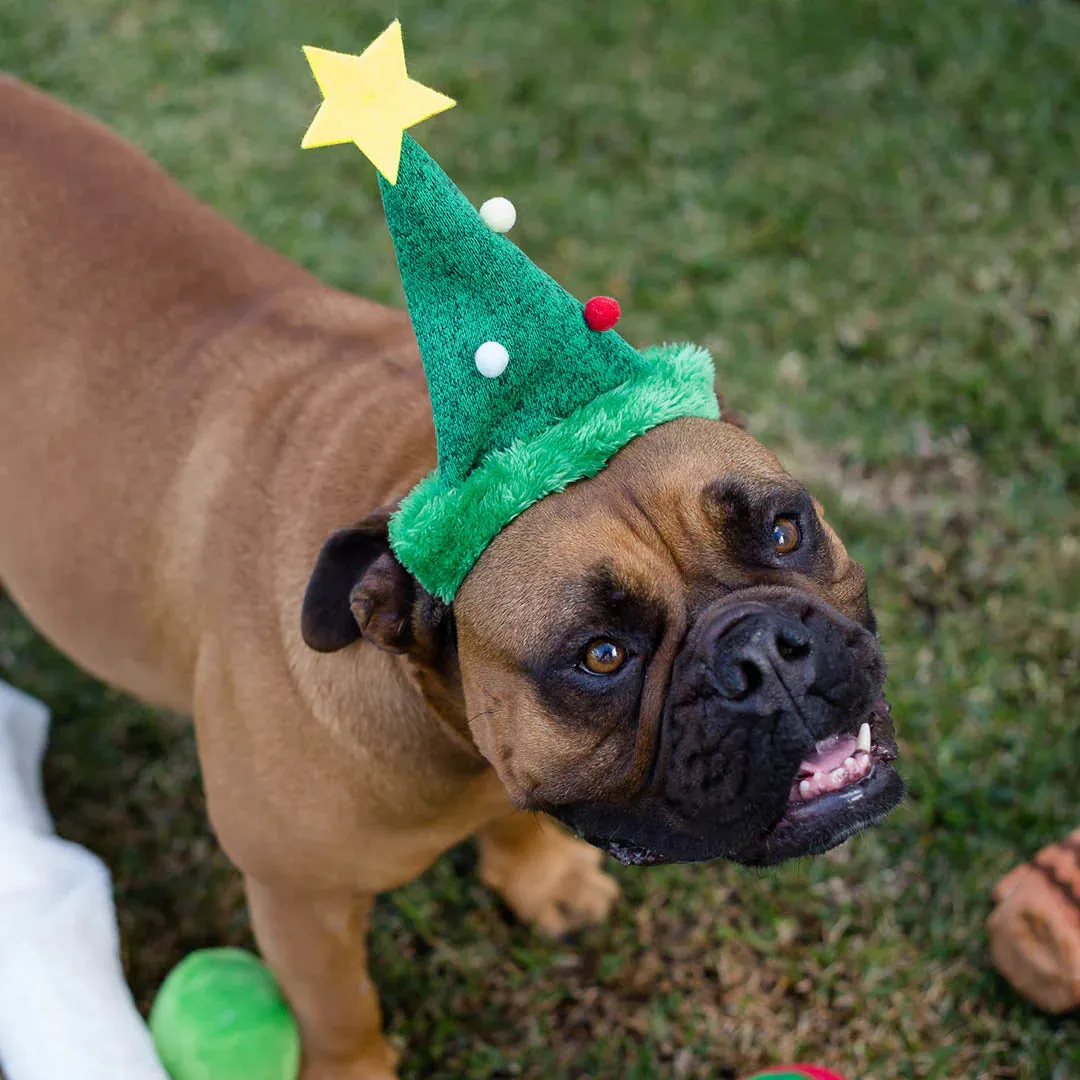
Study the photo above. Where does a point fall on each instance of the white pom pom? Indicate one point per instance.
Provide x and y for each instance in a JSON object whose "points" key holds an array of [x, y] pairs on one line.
{"points": [[499, 214], [491, 359]]}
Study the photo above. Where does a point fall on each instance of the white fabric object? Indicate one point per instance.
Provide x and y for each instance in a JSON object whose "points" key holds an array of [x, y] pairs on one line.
{"points": [[491, 359], [499, 214], [65, 1010]]}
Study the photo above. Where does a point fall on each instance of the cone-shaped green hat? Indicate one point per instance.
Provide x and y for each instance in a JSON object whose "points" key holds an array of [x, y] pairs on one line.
{"points": [[466, 285], [526, 396]]}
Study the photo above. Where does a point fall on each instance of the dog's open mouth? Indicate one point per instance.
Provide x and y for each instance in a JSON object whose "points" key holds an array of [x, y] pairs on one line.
{"points": [[847, 784], [836, 763]]}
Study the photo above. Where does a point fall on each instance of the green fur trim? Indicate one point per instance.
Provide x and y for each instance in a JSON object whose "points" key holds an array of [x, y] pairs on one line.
{"points": [[438, 534]]}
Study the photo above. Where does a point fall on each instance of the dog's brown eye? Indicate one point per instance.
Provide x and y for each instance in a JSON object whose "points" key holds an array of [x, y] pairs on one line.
{"points": [[785, 535], [604, 657]]}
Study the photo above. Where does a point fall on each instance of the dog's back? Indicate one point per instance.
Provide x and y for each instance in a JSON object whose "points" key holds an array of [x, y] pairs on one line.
{"points": [[147, 347]]}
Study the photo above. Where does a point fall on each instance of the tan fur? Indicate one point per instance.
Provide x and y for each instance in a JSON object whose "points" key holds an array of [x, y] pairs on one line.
{"points": [[184, 417], [644, 514]]}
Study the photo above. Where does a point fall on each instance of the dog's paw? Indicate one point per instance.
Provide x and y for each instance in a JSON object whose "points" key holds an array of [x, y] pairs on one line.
{"points": [[582, 896], [555, 883], [366, 1069], [378, 1063]]}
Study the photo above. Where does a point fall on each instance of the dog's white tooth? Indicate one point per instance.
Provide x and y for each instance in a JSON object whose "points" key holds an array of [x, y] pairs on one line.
{"points": [[804, 789], [838, 775], [863, 742]]}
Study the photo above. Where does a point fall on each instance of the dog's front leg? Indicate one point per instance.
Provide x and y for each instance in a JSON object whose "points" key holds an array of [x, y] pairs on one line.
{"points": [[316, 945], [547, 878]]}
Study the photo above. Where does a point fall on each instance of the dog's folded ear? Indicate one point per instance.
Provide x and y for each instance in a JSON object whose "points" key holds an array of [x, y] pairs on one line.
{"points": [[359, 589]]}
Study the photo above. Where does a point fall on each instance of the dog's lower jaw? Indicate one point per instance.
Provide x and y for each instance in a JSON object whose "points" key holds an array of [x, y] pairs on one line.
{"points": [[803, 827], [815, 827], [863, 805]]}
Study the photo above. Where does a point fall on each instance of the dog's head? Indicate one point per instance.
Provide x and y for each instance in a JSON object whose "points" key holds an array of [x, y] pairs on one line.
{"points": [[677, 657]]}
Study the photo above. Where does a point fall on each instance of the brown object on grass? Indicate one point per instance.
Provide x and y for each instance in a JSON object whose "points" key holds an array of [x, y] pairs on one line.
{"points": [[1035, 928]]}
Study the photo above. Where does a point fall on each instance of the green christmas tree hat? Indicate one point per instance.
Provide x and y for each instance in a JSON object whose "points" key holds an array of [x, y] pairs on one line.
{"points": [[530, 389]]}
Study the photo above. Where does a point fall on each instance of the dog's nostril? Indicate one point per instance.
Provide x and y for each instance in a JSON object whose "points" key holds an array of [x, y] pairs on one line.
{"points": [[760, 655], [737, 679], [751, 674], [792, 647]]}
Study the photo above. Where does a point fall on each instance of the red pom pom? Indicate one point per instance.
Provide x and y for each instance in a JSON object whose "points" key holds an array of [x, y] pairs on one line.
{"points": [[602, 312]]}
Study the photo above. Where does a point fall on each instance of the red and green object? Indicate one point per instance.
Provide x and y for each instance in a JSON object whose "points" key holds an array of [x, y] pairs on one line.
{"points": [[795, 1072]]}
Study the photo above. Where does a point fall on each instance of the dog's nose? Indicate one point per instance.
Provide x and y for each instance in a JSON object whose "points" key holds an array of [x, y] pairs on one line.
{"points": [[764, 654]]}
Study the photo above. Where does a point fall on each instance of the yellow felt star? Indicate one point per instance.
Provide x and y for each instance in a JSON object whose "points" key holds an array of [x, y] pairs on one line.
{"points": [[370, 100]]}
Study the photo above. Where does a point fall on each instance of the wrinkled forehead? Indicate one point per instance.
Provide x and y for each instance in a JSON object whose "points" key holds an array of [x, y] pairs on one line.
{"points": [[644, 525]]}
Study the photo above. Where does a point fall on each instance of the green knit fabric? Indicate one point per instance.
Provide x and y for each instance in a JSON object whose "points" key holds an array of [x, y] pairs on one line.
{"points": [[569, 398], [440, 531], [465, 285]]}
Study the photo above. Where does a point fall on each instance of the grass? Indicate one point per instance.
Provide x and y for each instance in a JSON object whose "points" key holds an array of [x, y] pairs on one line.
{"points": [[869, 211]]}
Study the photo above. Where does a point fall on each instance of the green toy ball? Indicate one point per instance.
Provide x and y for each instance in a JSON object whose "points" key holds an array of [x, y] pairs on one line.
{"points": [[220, 1016]]}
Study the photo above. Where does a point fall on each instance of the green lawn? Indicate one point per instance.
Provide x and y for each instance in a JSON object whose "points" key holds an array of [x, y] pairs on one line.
{"points": [[870, 212]]}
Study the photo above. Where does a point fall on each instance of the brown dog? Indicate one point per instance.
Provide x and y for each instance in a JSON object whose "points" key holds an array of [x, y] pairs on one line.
{"points": [[675, 657]]}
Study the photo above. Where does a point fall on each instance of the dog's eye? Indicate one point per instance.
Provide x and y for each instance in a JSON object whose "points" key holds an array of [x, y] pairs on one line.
{"points": [[604, 657], [785, 535]]}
